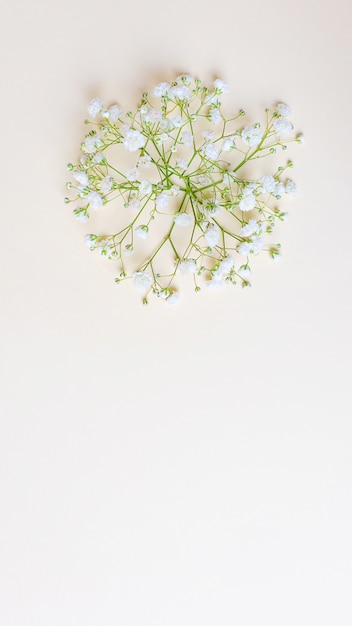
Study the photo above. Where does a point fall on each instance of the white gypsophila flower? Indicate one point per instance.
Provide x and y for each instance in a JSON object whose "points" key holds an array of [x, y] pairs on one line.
{"points": [[181, 164], [81, 177], [105, 184], [202, 179], [257, 244], [134, 140], [250, 228], [163, 137], [252, 135], [145, 188], [183, 219], [185, 79], [210, 207], [81, 215], [209, 135], [300, 138], [186, 138], [172, 299], [174, 190], [132, 174], [90, 241], [134, 204], [99, 157], [180, 92], [279, 190], [215, 116], [124, 128], [284, 109], [275, 254], [162, 200], [144, 161], [188, 266], [177, 121], [128, 250], [91, 144], [226, 265], [95, 199], [268, 183], [221, 86], [282, 127], [248, 202], [141, 280], [153, 116], [291, 188], [211, 236], [228, 144], [142, 232], [211, 151], [94, 107], [161, 90], [244, 271], [103, 247], [163, 294], [244, 248], [114, 113]]}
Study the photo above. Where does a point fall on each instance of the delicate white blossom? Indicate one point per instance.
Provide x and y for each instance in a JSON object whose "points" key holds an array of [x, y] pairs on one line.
{"points": [[134, 140], [142, 232], [284, 109], [221, 86], [162, 200], [81, 177], [95, 199], [291, 188], [141, 280], [183, 219], [94, 107], [282, 127], [187, 266], [211, 236], [248, 202], [252, 135]]}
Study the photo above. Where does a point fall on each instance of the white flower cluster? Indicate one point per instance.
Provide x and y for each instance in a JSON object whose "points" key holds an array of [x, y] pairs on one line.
{"points": [[185, 186]]}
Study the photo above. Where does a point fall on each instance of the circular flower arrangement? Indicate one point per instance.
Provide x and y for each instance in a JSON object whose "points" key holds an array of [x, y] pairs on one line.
{"points": [[174, 172]]}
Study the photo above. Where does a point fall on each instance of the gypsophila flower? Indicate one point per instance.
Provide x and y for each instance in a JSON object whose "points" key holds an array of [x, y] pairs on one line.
{"points": [[284, 109], [282, 127], [134, 140], [94, 107], [252, 135], [141, 280], [200, 201], [183, 219]]}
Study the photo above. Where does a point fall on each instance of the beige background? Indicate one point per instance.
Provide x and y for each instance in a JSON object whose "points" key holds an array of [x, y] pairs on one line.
{"points": [[187, 466]]}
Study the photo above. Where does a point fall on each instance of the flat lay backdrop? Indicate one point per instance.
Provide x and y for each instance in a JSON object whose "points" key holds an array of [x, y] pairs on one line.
{"points": [[174, 466]]}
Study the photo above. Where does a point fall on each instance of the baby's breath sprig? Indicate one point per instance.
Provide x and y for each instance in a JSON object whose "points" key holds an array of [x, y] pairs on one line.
{"points": [[184, 192]]}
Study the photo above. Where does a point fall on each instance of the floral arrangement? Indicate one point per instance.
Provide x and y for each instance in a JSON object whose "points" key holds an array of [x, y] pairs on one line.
{"points": [[184, 203]]}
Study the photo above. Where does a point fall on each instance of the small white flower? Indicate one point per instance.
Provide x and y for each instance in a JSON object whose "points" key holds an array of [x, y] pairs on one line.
{"points": [[221, 86], [144, 161], [172, 299], [257, 244], [134, 204], [282, 127], [228, 144], [187, 266], [249, 229], [211, 151], [161, 90], [215, 115], [300, 138], [291, 188], [91, 144], [186, 138], [268, 183], [211, 236], [145, 188], [133, 174], [252, 135], [209, 135], [90, 241], [177, 121], [114, 113], [141, 280], [279, 190], [95, 199], [284, 109], [244, 271], [210, 207], [181, 164], [134, 140], [185, 79], [174, 190], [94, 107], [153, 116], [181, 92], [106, 184], [81, 215], [275, 254], [81, 177], [226, 265], [248, 202], [183, 219], [244, 248], [202, 179], [99, 157], [142, 232], [162, 200]]}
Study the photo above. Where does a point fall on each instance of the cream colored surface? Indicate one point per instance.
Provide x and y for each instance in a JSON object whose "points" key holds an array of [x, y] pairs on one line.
{"points": [[187, 466]]}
